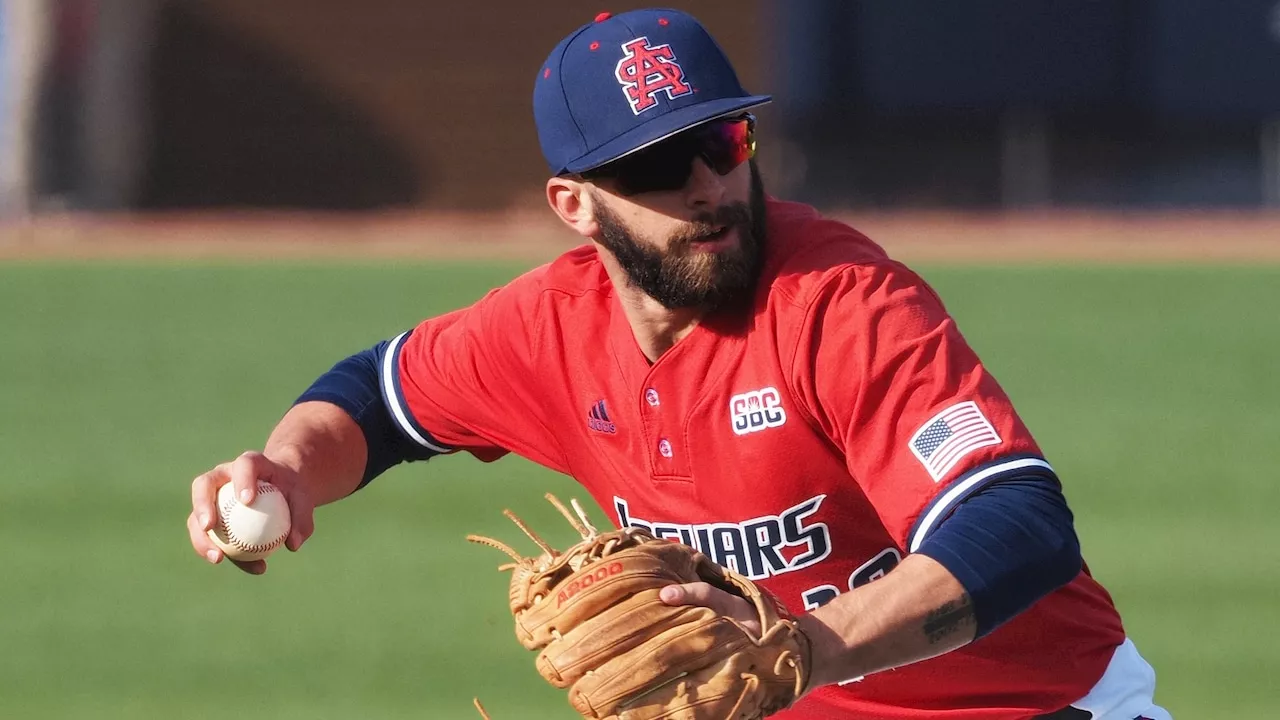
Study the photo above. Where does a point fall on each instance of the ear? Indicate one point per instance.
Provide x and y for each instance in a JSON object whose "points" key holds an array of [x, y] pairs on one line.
{"points": [[571, 202]]}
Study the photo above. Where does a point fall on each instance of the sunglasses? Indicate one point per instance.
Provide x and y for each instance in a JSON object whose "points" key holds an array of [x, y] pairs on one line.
{"points": [[665, 166]]}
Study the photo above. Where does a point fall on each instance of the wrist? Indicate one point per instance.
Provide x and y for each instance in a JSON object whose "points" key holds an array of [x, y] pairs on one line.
{"points": [[289, 455], [822, 658]]}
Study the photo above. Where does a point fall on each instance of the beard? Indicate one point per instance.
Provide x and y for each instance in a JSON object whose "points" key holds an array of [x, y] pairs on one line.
{"points": [[680, 277]]}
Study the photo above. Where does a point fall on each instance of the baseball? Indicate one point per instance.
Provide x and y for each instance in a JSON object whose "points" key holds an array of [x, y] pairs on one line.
{"points": [[250, 532]]}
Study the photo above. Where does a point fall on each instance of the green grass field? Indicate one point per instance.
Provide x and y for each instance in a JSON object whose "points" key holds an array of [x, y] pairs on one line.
{"points": [[1154, 392]]}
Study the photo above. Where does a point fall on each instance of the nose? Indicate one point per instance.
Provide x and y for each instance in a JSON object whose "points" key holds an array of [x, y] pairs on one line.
{"points": [[705, 187]]}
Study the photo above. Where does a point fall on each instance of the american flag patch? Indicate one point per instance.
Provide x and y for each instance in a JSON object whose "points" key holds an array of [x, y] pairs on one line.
{"points": [[950, 435]]}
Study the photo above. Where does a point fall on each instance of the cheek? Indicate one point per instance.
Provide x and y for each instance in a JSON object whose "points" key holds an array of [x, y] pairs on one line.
{"points": [[737, 184], [650, 226]]}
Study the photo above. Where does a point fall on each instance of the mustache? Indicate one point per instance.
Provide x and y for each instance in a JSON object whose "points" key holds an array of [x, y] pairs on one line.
{"points": [[706, 224]]}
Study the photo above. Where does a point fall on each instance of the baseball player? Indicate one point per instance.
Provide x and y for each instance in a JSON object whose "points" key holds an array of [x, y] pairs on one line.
{"points": [[747, 377]]}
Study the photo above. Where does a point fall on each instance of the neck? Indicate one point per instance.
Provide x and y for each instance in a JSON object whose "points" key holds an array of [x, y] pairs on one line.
{"points": [[655, 327]]}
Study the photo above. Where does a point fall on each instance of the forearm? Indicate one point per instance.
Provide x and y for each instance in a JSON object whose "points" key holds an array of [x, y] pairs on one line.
{"points": [[324, 446], [917, 611], [999, 552]]}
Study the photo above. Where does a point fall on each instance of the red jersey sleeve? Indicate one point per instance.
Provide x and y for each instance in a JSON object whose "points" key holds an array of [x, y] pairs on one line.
{"points": [[886, 375], [461, 381]]}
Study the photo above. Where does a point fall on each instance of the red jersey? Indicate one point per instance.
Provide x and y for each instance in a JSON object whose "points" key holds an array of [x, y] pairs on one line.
{"points": [[809, 443]]}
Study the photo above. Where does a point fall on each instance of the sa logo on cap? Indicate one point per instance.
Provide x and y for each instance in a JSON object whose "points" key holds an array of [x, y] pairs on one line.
{"points": [[645, 71]]}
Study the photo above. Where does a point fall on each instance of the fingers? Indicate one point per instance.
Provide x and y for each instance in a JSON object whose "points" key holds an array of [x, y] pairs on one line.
{"points": [[200, 541], [204, 504], [246, 471], [243, 473], [204, 495]]}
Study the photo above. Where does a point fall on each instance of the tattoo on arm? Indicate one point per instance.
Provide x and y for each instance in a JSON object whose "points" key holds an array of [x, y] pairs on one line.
{"points": [[948, 619]]}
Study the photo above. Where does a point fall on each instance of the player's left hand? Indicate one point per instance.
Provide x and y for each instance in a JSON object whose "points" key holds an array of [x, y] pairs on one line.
{"points": [[723, 603], [642, 628]]}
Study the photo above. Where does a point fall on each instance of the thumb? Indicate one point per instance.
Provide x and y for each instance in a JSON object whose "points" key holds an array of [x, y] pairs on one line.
{"points": [[673, 595], [707, 595], [697, 593]]}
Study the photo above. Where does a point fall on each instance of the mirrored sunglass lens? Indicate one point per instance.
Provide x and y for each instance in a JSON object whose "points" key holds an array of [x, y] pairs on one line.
{"points": [[728, 144], [724, 144]]}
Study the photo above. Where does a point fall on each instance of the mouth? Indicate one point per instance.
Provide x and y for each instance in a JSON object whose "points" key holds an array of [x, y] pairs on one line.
{"points": [[721, 237]]}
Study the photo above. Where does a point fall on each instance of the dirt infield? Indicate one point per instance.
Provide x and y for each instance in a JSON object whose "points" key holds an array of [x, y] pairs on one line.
{"points": [[533, 236]]}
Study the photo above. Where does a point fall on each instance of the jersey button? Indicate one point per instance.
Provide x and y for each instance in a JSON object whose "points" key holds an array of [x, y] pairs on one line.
{"points": [[664, 448], [651, 397]]}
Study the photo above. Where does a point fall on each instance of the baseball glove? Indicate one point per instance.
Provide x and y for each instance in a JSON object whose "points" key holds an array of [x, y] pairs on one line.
{"points": [[594, 614]]}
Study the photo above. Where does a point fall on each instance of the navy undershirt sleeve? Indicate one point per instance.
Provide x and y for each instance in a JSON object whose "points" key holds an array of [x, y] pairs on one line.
{"points": [[1009, 545], [352, 385]]}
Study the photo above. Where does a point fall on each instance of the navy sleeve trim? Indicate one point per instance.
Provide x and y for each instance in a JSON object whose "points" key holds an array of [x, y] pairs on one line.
{"points": [[1008, 545], [353, 385], [966, 485], [394, 396]]}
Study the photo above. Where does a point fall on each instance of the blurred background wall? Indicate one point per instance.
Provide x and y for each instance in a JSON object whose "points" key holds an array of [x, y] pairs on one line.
{"points": [[330, 104]]}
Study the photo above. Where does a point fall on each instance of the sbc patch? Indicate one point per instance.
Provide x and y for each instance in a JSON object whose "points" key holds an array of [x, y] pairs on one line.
{"points": [[756, 410]]}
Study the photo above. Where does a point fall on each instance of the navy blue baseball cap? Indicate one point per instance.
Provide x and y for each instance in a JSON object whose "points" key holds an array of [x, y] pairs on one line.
{"points": [[624, 82]]}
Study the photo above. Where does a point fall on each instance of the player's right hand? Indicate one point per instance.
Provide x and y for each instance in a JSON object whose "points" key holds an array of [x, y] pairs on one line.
{"points": [[243, 473]]}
